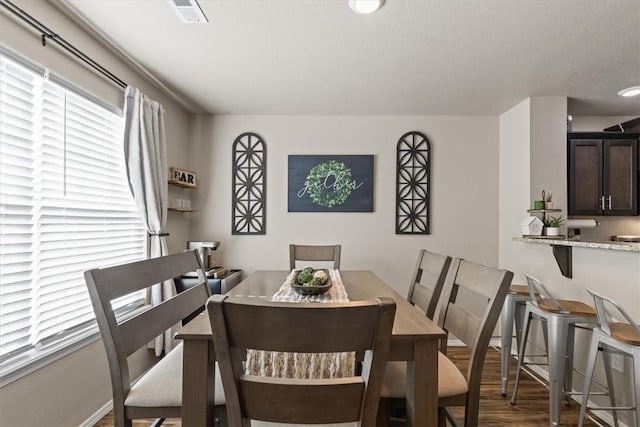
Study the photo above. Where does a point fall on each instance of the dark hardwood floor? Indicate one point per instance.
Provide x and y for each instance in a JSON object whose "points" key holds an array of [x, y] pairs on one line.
{"points": [[532, 408]]}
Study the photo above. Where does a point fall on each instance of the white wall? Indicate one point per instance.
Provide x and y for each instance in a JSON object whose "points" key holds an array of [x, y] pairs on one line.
{"points": [[612, 273], [514, 182], [69, 391], [464, 189]]}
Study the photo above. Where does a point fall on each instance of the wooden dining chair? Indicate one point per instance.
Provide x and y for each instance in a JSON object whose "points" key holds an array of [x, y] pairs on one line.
{"points": [[314, 253], [472, 299], [239, 324], [157, 393], [427, 281]]}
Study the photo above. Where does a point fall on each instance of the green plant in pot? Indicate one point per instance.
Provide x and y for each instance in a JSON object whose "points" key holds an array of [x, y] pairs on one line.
{"points": [[552, 225]]}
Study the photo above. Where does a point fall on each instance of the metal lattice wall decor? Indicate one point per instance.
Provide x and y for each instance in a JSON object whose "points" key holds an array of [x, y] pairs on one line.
{"points": [[249, 185], [413, 178]]}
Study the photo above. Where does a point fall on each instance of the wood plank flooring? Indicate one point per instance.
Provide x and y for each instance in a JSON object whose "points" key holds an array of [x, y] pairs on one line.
{"points": [[532, 409]]}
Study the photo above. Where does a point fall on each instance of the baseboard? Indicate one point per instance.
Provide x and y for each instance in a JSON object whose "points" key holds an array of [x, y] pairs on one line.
{"points": [[98, 415]]}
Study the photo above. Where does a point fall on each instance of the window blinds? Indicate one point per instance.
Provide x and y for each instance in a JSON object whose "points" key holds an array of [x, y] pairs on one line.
{"points": [[65, 207]]}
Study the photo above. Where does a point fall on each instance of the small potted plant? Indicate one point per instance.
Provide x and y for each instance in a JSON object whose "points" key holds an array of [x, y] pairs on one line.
{"points": [[548, 201], [552, 225]]}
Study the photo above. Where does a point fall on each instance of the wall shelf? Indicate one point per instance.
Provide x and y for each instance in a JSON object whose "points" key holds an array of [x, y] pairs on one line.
{"points": [[183, 210], [181, 184]]}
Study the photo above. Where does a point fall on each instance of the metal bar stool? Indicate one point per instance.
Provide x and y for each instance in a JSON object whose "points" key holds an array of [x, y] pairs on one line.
{"points": [[561, 317], [513, 310], [612, 337]]}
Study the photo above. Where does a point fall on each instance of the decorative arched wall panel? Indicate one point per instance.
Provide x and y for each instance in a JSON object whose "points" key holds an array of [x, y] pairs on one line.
{"points": [[249, 182], [413, 179]]}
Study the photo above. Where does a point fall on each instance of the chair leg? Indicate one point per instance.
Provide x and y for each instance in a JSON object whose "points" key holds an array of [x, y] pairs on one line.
{"points": [[442, 417], [523, 345], [384, 413], [591, 362], [506, 331], [606, 359]]}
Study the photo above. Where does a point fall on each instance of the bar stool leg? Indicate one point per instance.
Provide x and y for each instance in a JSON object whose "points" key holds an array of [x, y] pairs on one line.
{"points": [[568, 370], [506, 330], [519, 320], [558, 335], [591, 363], [606, 359], [523, 344], [636, 376]]}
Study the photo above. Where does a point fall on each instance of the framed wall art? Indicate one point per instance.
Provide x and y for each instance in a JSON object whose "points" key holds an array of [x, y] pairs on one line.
{"points": [[330, 183]]}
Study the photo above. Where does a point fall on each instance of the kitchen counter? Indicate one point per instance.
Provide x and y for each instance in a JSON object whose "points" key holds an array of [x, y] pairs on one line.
{"points": [[596, 244], [562, 248]]}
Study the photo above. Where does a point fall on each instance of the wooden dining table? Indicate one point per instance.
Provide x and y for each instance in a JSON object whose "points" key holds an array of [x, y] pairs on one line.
{"points": [[414, 339]]}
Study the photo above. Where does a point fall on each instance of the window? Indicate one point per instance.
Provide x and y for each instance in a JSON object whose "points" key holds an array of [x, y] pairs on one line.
{"points": [[65, 207]]}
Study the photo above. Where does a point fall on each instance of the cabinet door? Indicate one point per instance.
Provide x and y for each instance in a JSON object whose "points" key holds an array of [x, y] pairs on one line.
{"points": [[585, 177], [620, 176]]}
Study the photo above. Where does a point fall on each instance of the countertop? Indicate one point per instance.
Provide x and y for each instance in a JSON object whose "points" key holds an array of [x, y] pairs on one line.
{"points": [[596, 244]]}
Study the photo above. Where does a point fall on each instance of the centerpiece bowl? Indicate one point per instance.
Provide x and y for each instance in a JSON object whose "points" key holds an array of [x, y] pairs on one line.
{"points": [[309, 289]]}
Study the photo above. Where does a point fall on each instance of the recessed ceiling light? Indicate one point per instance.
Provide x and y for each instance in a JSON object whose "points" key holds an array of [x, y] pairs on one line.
{"points": [[630, 91], [189, 11], [365, 6]]}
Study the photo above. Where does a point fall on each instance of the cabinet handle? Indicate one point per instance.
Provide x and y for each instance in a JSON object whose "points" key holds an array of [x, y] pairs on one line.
{"points": [[609, 200], [602, 202]]}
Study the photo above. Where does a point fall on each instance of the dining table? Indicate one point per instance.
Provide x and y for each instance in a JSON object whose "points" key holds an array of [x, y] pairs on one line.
{"points": [[414, 340]]}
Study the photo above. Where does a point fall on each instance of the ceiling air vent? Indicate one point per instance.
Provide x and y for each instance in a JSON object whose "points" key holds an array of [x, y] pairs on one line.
{"points": [[188, 11]]}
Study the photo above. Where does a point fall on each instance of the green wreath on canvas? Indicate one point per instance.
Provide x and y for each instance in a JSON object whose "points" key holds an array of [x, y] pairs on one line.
{"points": [[333, 195]]}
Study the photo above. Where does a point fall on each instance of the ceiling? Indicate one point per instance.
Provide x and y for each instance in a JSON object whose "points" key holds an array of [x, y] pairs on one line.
{"points": [[422, 57]]}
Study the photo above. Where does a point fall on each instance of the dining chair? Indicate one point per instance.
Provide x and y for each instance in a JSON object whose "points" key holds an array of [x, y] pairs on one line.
{"points": [[239, 324], [157, 393], [427, 281], [560, 317], [314, 253], [609, 337], [471, 299]]}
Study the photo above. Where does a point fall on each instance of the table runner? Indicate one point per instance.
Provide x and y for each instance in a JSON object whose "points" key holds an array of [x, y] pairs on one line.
{"points": [[304, 365]]}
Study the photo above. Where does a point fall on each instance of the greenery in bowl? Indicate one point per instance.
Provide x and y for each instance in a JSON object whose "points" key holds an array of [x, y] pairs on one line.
{"points": [[553, 221]]}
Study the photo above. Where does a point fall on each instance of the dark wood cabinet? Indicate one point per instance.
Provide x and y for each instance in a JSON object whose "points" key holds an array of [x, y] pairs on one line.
{"points": [[603, 173]]}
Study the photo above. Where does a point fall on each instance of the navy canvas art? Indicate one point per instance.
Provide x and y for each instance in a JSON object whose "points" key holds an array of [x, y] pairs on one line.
{"points": [[330, 183]]}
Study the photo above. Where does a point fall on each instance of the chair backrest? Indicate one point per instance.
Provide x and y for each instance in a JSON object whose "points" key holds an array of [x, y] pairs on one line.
{"points": [[603, 318], [475, 297], [122, 337], [538, 291], [244, 323], [314, 253], [427, 281]]}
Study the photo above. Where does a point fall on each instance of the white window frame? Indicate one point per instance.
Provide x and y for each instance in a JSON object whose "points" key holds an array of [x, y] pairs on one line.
{"points": [[15, 365]]}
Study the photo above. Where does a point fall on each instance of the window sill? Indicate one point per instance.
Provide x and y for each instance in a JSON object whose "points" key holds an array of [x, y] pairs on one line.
{"points": [[30, 361]]}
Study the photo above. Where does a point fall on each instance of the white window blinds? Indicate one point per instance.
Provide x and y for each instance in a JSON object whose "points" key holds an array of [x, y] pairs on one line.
{"points": [[65, 207]]}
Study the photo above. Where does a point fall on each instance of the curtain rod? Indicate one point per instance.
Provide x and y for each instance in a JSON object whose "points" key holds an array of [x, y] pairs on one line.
{"points": [[46, 33]]}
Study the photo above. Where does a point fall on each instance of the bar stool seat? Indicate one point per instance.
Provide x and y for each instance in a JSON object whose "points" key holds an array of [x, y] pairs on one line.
{"points": [[561, 317], [576, 308], [617, 337], [512, 310]]}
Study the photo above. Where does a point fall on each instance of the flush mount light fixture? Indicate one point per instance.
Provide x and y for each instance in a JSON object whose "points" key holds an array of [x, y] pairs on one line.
{"points": [[189, 11], [630, 91], [365, 6]]}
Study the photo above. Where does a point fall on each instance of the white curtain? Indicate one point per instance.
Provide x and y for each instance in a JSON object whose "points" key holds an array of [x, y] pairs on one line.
{"points": [[146, 163]]}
